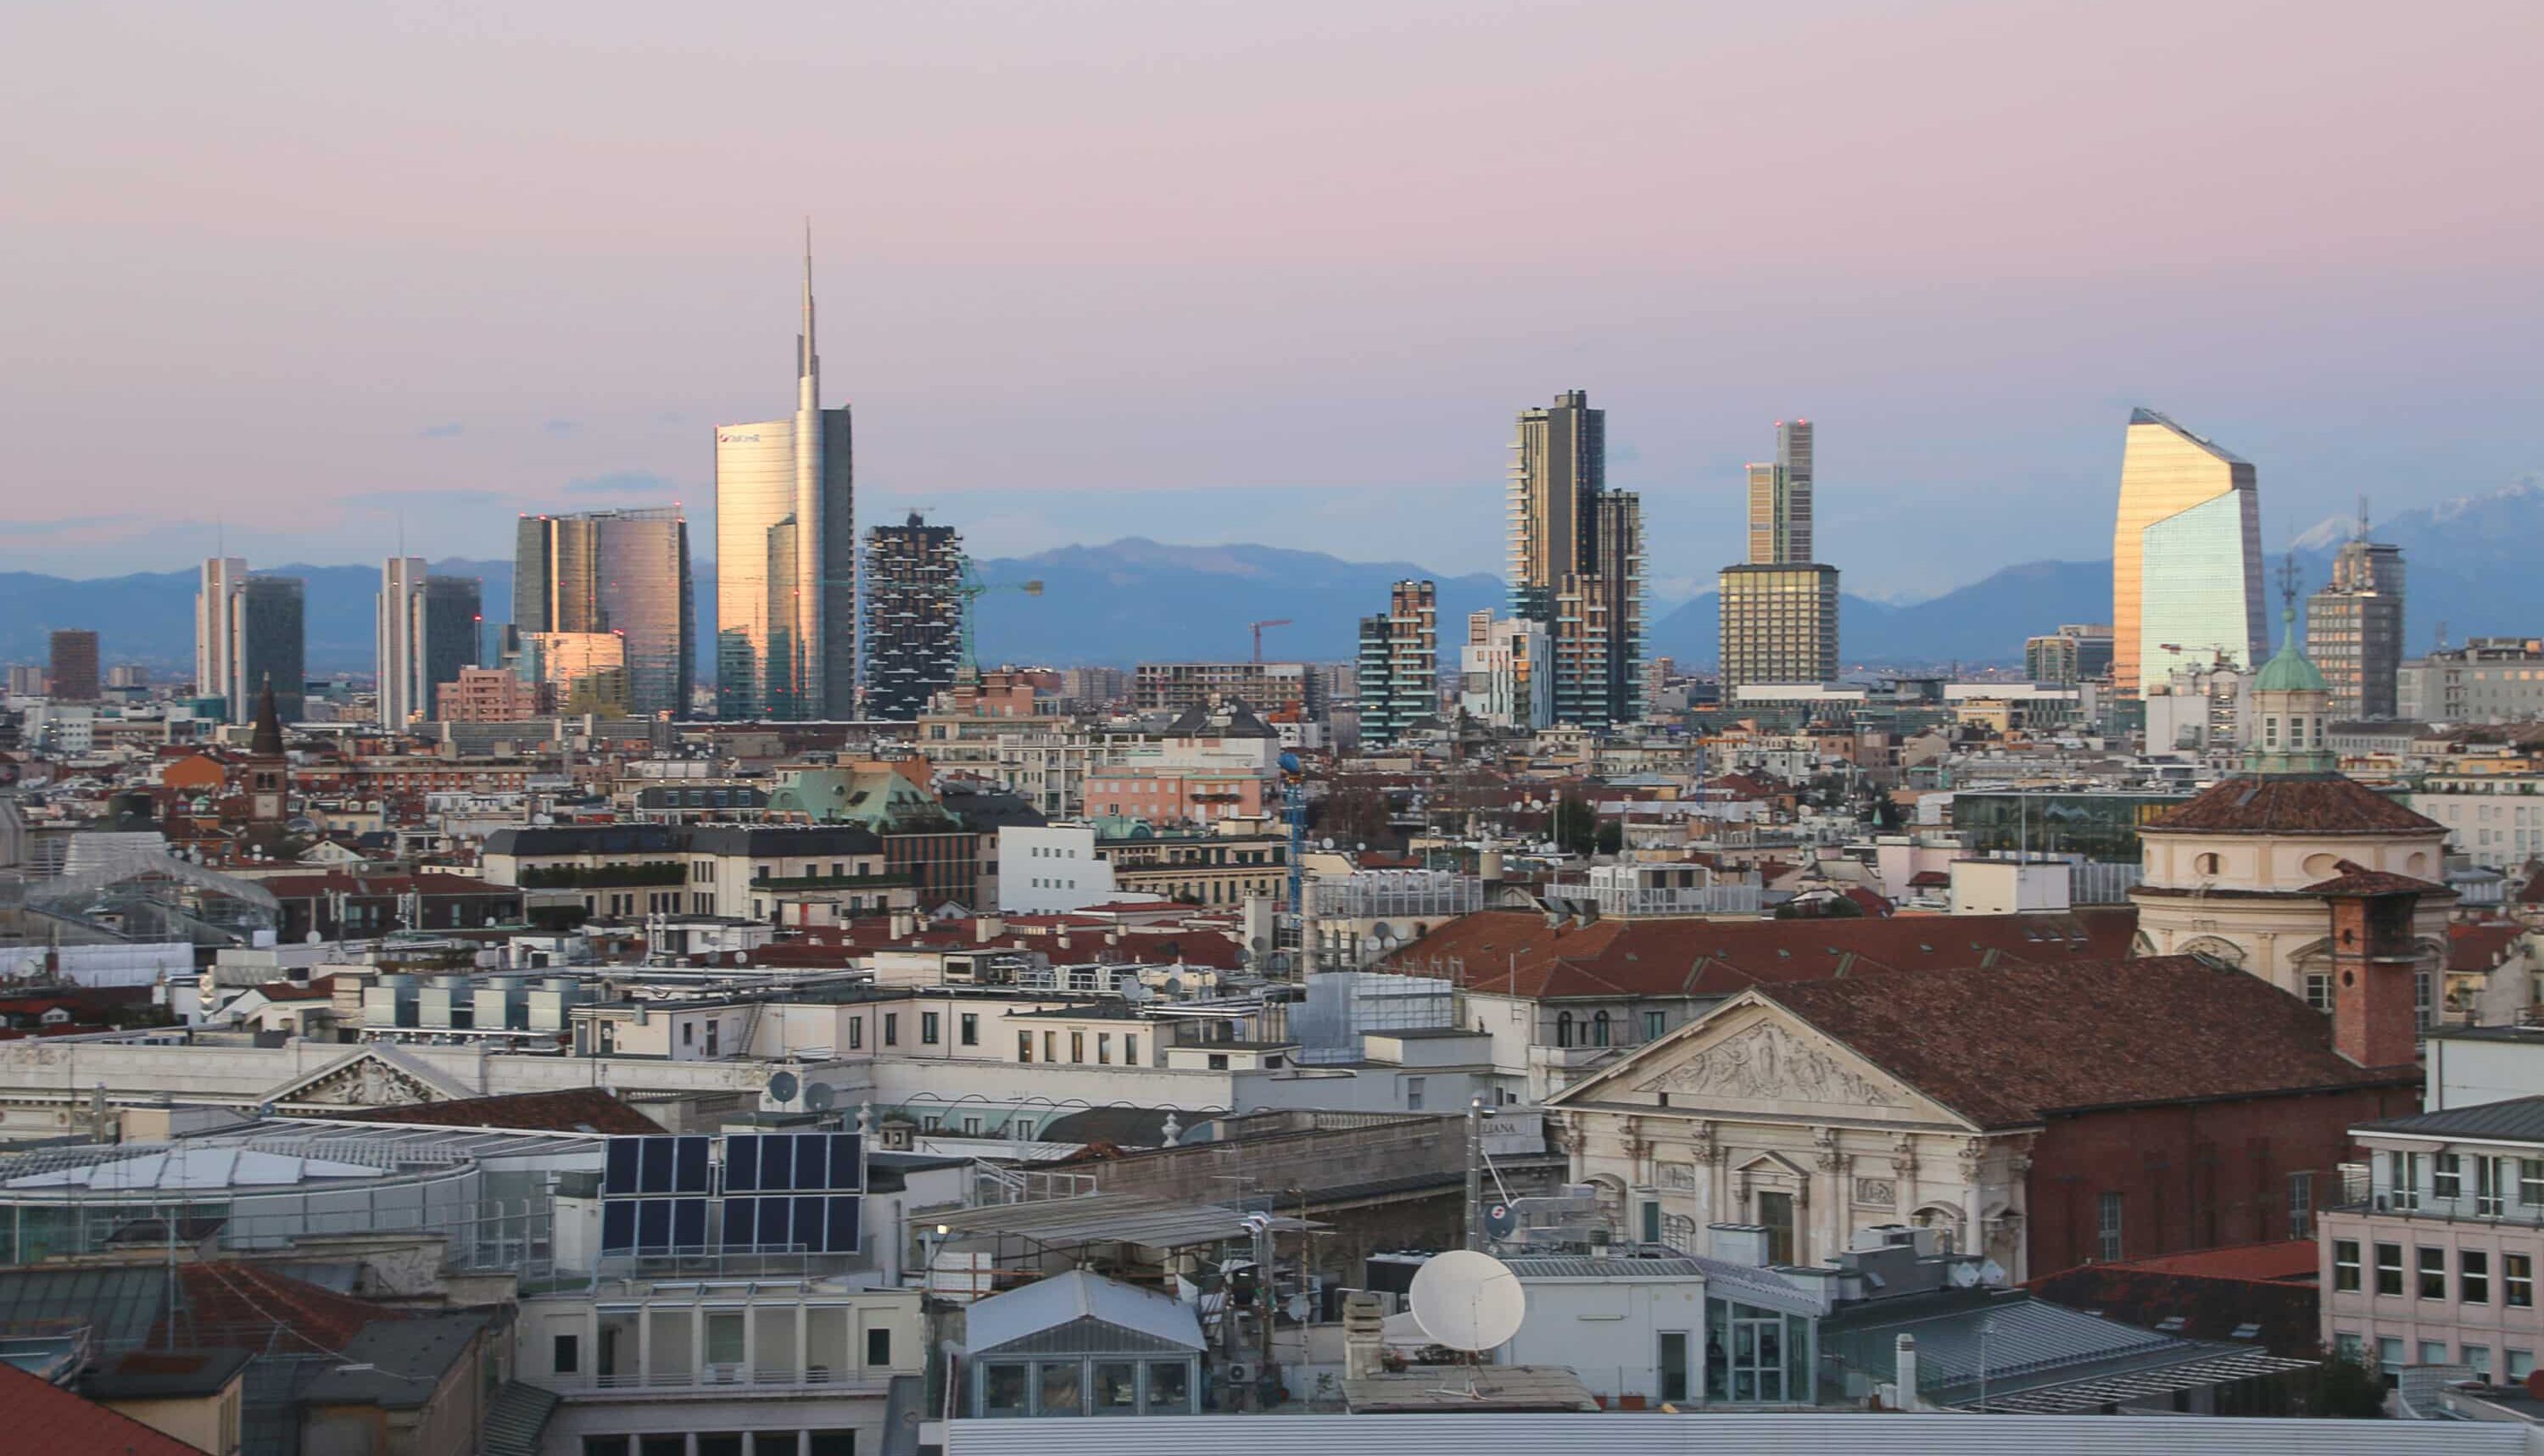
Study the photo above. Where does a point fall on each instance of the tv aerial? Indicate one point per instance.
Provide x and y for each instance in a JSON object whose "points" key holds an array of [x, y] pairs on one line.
{"points": [[1467, 1301]]}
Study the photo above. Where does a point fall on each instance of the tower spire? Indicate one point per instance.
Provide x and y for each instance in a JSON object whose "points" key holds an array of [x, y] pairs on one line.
{"points": [[808, 366]]}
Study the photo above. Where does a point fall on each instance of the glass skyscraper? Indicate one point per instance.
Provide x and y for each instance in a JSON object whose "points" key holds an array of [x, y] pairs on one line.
{"points": [[425, 630], [1577, 560], [2185, 558], [786, 555], [621, 572], [1778, 608], [248, 630]]}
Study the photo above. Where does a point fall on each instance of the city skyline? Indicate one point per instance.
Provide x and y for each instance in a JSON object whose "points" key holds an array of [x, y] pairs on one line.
{"points": [[1154, 371]]}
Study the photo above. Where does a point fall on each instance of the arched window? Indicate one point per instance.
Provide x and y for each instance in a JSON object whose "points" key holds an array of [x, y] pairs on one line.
{"points": [[1563, 1029], [1599, 1029]]}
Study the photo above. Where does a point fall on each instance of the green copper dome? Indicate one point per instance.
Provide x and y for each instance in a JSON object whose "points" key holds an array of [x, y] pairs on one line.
{"points": [[2290, 672]]}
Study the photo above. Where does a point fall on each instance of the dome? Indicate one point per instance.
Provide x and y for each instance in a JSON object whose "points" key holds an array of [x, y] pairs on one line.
{"points": [[2290, 672]]}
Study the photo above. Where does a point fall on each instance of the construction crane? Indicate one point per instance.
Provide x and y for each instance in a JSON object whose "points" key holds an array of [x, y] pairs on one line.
{"points": [[1273, 621], [968, 592]]}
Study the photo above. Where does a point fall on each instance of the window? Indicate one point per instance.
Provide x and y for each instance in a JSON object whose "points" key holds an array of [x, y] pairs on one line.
{"points": [[724, 1340], [1051, 1046], [2108, 1226], [2517, 1281], [2433, 1272], [1654, 1023], [970, 1026], [856, 1032], [2301, 1208], [1599, 1029], [688, 1033], [2350, 1347], [1219, 1061], [2447, 1176], [1131, 1048], [1413, 1094], [928, 1027], [2389, 1356], [2318, 991], [2344, 1266], [1674, 1366], [2477, 1358], [892, 1028], [1103, 1048], [2490, 1185], [2404, 1178], [1563, 1029], [1077, 1046], [2473, 1275], [1003, 1390], [2433, 1352], [1170, 1388], [1117, 1388], [2521, 1363], [2389, 1268], [1056, 1388], [2530, 1182], [1024, 1046], [878, 1347], [568, 1359]]}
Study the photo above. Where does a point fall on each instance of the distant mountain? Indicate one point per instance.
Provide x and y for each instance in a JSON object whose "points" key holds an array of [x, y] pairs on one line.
{"points": [[2470, 563]]}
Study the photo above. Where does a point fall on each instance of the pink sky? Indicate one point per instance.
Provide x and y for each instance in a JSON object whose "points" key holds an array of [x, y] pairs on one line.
{"points": [[309, 268]]}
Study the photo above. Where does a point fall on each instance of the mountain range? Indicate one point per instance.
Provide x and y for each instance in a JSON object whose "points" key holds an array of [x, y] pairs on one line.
{"points": [[2469, 561]]}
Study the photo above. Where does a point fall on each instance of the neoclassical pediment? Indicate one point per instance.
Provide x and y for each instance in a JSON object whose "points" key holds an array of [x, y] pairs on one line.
{"points": [[366, 1079], [1764, 1062]]}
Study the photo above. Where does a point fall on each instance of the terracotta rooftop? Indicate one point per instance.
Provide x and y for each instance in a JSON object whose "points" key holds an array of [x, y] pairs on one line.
{"points": [[2010, 1044], [2479, 945], [1516, 952], [2355, 879], [2274, 1263], [43, 1416], [2326, 804], [307, 886], [250, 1307], [568, 1109]]}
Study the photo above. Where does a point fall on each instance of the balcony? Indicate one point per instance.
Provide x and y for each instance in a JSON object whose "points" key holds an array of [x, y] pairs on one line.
{"points": [[722, 1380]]}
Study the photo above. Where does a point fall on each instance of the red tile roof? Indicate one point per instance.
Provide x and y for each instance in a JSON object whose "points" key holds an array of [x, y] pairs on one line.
{"points": [[2274, 1263], [2330, 804], [568, 1110], [1515, 952], [2355, 879], [2010, 1044], [43, 1416], [250, 1307], [2479, 945]]}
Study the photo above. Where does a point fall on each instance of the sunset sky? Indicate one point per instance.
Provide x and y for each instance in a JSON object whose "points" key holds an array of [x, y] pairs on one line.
{"points": [[305, 273]]}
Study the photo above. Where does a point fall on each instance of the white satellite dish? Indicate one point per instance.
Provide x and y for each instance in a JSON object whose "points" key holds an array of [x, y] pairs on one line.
{"points": [[1467, 1301]]}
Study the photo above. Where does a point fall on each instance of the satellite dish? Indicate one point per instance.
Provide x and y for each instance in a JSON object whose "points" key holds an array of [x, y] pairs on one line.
{"points": [[1467, 1301], [1501, 1220], [819, 1096], [781, 1088]]}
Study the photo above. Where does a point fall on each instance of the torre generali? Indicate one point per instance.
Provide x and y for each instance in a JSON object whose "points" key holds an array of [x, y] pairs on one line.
{"points": [[786, 559], [2185, 558], [1780, 607]]}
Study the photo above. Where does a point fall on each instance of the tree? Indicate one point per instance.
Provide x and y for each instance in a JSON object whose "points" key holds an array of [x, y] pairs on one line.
{"points": [[1576, 826], [2344, 1389]]}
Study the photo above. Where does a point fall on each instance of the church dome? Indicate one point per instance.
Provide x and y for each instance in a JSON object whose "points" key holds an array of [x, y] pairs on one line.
{"points": [[2290, 672]]}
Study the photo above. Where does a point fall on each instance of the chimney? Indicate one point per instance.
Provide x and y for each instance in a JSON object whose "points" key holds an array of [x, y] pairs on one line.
{"points": [[1364, 1335], [903, 923], [986, 927], [1904, 1394], [2375, 966]]}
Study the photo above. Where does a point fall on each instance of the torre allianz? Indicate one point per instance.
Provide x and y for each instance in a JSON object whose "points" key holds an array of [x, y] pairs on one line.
{"points": [[786, 561]]}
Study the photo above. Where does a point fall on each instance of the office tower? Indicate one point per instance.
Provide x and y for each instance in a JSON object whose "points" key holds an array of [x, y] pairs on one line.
{"points": [[1779, 499], [1506, 673], [914, 624], [1400, 663], [2077, 652], [216, 630], [622, 572], [2354, 629], [2185, 556], [267, 643], [247, 629], [1778, 608], [786, 589], [74, 671], [1573, 542], [575, 671], [424, 631]]}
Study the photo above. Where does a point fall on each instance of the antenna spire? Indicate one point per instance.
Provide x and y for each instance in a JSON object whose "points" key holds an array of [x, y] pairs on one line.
{"points": [[810, 366], [2288, 596]]}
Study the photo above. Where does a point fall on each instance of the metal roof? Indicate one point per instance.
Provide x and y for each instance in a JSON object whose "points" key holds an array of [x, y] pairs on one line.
{"points": [[1734, 1433], [1112, 1218], [2516, 1121], [2081, 1397], [1582, 1267], [1045, 1304]]}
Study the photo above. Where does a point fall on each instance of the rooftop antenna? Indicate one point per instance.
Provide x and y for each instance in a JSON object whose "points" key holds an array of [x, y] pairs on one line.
{"points": [[2362, 520]]}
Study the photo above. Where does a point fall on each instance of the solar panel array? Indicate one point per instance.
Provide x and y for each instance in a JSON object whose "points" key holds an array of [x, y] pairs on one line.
{"points": [[781, 1192], [794, 1191]]}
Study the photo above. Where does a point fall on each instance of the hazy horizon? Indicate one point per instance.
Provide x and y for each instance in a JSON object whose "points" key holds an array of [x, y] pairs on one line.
{"points": [[302, 275]]}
